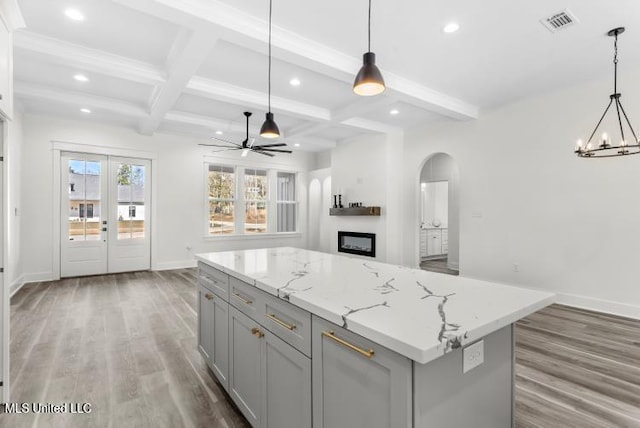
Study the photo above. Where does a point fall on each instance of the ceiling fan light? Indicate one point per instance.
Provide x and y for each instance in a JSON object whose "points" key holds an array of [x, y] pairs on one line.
{"points": [[269, 127], [369, 79]]}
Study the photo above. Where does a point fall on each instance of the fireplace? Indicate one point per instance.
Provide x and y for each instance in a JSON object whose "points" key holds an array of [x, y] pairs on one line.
{"points": [[363, 244]]}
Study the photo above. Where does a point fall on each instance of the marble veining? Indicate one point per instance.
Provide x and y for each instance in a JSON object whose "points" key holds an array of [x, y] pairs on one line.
{"points": [[421, 315]]}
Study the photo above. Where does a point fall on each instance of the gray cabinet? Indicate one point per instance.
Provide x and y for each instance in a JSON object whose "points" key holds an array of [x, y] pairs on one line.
{"points": [[357, 383], [286, 387], [205, 319], [245, 363], [213, 332], [270, 381]]}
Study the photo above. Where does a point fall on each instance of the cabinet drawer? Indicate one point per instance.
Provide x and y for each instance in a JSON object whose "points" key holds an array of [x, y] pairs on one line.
{"points": [[433, 234], [247, 298], [214, 280], [289, 323]]}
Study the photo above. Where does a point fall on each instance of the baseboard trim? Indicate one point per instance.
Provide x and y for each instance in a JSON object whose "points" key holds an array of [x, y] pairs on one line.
{"points": [[177, 264], [599, 305], [453, 266], [38, 277], [16, 286]]}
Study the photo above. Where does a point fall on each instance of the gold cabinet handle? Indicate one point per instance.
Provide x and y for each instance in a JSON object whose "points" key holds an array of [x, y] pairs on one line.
{"points": [[209, 296], [281, 323], [366, 354], [242, 299], [257, 333]]}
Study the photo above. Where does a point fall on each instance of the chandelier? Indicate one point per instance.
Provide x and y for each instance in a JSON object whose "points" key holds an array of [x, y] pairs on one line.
{"points": [[605, 148]]}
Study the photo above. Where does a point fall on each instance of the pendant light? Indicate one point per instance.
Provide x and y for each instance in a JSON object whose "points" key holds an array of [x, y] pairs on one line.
{"points": [[269, 127], [605, 149], [369, 80]]}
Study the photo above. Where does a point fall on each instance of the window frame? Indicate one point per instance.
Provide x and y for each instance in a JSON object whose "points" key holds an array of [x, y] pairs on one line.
{"points": [[240, 201], [233, 200]]}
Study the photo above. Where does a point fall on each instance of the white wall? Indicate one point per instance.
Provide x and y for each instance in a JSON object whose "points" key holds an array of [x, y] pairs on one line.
{"points": [[569, 224], [179, 192], [320, 201], [13, 163], [364, 168]]}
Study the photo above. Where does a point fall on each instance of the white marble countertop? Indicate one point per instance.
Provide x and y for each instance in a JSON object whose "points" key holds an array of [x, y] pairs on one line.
{"points": [[421, 315]]}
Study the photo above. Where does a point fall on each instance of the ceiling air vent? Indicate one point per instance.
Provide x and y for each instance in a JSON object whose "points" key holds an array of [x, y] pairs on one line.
{"points": [[559, 21]]}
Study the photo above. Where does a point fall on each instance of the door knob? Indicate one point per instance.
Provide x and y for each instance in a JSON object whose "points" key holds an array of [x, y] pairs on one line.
{"points": [[104, 229]]}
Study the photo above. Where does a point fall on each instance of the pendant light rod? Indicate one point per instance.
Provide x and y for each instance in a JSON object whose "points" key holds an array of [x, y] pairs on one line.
{"points": [[369, 31], [270, 12], [269, 128]]}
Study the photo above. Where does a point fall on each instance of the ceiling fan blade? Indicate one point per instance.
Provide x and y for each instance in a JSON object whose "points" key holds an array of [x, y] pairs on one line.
{"points": [[226, 150], [224, 141], [272, 150], [218, 145], [263, 153], [272, 145]]}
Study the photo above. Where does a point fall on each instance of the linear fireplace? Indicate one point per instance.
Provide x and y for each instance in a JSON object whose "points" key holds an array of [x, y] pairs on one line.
{"points": [[363, 244]]}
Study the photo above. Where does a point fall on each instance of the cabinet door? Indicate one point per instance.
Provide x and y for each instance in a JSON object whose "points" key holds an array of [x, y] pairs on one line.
{"points": [[245, 349], [434, 242], [286, 393], [5, 70], [220, 353], [357, 383], [205, 322]]}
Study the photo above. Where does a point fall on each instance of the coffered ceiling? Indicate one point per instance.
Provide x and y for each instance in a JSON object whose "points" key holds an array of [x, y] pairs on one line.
{"points": [[191, 67]]}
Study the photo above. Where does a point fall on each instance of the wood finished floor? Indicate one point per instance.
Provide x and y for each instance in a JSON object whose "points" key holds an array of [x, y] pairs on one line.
{"points": [[126, 343], [437, 265]]}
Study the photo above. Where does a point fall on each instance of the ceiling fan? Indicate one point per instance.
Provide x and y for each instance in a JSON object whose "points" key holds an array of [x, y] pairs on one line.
{"points": [[246, 146]]}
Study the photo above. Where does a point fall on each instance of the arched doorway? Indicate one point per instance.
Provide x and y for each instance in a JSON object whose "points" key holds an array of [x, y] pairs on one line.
{"points": [[439, 215]]}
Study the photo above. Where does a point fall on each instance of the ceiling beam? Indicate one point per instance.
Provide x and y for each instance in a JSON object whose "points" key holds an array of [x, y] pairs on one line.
{"points": [[24, 90], [251, 32], [225, 92], [370, 125], [358, 107], [71, 55], [187, 55]]}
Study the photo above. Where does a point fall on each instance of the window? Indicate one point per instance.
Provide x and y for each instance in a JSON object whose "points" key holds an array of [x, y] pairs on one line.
{"points": [[222, 188], [286, 201], [255, 200], [250, 201]]}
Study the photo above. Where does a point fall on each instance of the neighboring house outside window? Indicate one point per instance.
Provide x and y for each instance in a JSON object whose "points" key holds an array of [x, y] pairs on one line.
{"points": [[267, 201]]}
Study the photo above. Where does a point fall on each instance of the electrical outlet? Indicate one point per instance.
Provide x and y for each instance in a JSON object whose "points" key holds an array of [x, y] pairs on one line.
{"points": [[472, 356]]}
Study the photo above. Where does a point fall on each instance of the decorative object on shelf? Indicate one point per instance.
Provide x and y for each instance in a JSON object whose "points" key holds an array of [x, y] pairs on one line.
{"points": [[367, 211], [269, 127], [369, 80], [245, 146], [340, 201], [355, 204], [605, 149], [335, 201]]}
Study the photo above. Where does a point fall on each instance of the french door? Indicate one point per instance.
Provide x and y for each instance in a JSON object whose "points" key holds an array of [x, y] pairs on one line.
{"points": [[105, 214]]}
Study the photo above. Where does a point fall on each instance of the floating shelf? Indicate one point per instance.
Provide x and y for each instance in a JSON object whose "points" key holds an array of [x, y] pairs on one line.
{"points": [[355, 211]]}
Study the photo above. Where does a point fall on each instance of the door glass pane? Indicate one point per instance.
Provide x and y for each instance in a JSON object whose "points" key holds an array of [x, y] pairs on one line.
{"points": [[256, 191], [221, 218], [131, 203], [84, 200]]}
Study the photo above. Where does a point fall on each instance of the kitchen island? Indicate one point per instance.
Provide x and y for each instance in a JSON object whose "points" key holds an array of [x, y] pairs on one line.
{"points": [[301, 338]]}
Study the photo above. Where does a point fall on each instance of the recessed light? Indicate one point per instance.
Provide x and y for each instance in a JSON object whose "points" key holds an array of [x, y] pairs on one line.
{"points": [[394, 112], [295, 82], [81, 78], [296, 145], [85, 110], [74, 14], [219, 132], [451, 27]]}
